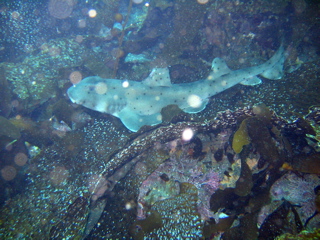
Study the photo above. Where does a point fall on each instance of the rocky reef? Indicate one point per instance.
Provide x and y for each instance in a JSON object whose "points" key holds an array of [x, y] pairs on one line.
{"points": [[158, 184]]}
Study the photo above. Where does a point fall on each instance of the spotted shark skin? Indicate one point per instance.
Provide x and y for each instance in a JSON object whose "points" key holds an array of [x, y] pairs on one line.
{"points": [[140, 103]]}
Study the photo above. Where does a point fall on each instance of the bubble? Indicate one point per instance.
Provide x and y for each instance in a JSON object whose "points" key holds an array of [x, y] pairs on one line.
{"points": [[125, 84], [101, 88], [194, 101], [159, 117], [15, 15], [92, 13], [256, 110], [202, 1], [82, 23], [54, 51], [187, 134], [28, 48], [224, 83], [118, 17], [140, 168], [97, 186], [183, 32], [15, 103], [8, 173], [60, 9], [75, 77], [129, 205], [79, 38], [117, 53], [59, 175], [242, 60], [20, 159], [210, 77]]}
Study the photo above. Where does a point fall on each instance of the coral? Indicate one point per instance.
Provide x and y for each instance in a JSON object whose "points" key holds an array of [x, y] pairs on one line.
{"points": [[183, 167], [283, 219], [298, 191]]}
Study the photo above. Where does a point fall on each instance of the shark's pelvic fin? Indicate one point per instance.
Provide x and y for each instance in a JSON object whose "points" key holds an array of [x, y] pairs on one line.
{"points": [[202, 106], [251, 81]]}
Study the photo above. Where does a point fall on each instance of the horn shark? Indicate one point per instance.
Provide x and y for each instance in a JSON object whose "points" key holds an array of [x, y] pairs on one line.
{"points": [[140, 103]]}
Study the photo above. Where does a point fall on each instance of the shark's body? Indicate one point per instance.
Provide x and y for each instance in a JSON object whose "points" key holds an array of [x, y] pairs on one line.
{"points": [[140, 103]]}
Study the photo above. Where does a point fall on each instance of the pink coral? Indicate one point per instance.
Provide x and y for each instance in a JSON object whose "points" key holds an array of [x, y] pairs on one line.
{"points": [[297, 190], [179, 170]]}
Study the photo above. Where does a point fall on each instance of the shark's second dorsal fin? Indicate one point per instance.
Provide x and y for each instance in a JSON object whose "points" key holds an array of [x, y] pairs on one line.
{"points": [[158, 77], [275, 71], [219, 68]]}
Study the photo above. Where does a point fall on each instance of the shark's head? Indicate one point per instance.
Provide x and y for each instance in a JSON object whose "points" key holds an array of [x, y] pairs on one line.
{"points": [[97, 94]]}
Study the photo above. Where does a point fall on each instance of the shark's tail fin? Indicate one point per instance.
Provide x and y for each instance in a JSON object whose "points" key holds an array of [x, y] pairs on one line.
{"points": [[275, 65]]}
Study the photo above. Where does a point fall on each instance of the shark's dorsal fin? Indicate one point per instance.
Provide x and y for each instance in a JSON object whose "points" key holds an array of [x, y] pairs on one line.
{"points": [[159, 77], [219, 68]]}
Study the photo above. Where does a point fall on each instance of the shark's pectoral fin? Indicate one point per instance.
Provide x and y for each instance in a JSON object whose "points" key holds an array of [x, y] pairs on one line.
{"points": [[133, 121], [251, 81], [196, 108]]}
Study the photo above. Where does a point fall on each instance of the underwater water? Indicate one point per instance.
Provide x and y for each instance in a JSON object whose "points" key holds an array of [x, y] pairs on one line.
{"points": [[160, 119]]}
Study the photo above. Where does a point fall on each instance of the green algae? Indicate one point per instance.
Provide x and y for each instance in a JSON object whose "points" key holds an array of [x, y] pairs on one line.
{"points": [[8, 129], [34, 80], [304, 235], [241, 137]]}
